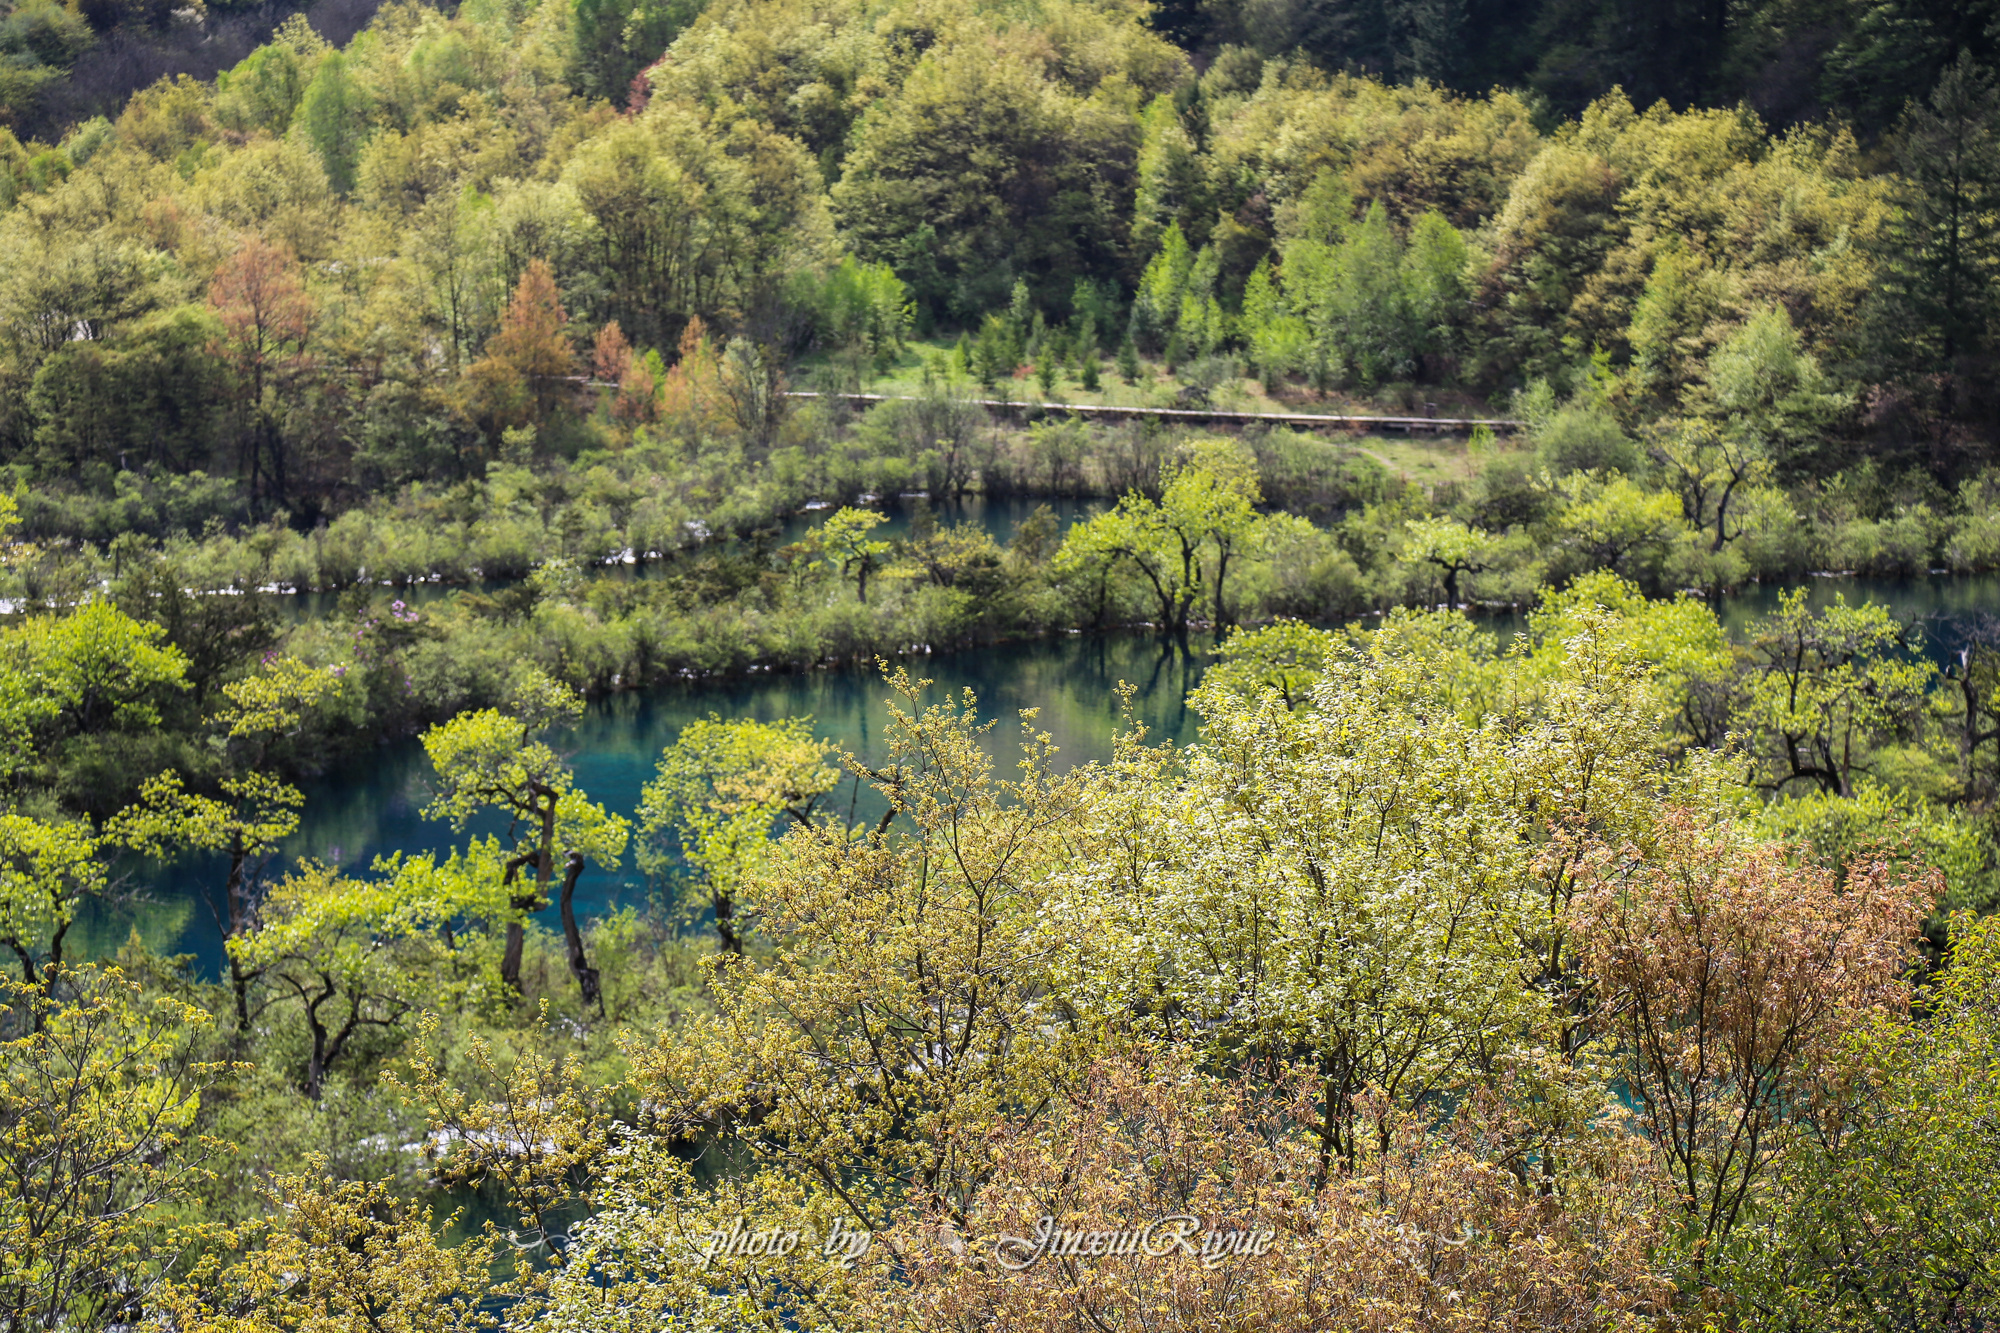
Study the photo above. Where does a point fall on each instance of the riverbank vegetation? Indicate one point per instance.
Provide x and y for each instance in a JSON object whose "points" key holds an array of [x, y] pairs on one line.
{"points": [[1661, 984], [449, 303], [423, 371]]}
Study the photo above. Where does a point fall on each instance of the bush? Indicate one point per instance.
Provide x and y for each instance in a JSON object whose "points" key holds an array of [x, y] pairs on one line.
{"points": [[1585, 439]]}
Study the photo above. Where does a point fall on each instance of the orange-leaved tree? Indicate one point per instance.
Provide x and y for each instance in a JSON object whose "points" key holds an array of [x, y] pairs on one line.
{"points": [[614, 362], [259, 296], [525, 372], [1727, 976], [1153, 1196]]}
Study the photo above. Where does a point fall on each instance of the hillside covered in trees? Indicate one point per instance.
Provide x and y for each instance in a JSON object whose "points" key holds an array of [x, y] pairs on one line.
{"points": [[1535, 934], [314, 279]]}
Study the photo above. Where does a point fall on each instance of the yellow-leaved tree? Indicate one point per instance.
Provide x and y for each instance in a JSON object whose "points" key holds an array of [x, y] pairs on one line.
{"points": [[100, 1086], [719, 790], [859, 1060]]}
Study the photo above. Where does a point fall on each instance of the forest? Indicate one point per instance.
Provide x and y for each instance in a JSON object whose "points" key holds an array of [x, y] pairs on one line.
{"points": [[1571, 907]]}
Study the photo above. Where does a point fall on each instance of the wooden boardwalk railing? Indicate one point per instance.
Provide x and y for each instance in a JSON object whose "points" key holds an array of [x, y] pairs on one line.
{"points": [[1211, 416]]}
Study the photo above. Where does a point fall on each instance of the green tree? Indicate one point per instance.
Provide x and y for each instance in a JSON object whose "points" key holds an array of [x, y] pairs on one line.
{"points": [[1002, 160], [1183, 543], [1325, 886], [1279, 340], [1945, 267], [1826, 690], [47, 873], [1452, 548], [1670, 321], [342, 1253], [842, 543], [349, 955], [254, 811], [864, 308], [264, 90], [1613, 523], [1707, 468], [907, 958], [686, 223], [1128, 360], [1090, 374], [1890, 1222], [1045, 370], [82, 697], [1768, 395], [1369, 301], [98, 668], [615, 40], [992, 354], [1350, 289], [1173, 180], [1287, 656], [450, 244], [1970, 711], [720, 791], [1434, 283], [1156, 308], [493, 760], [216, 635], [147, 397], [333, 117]]}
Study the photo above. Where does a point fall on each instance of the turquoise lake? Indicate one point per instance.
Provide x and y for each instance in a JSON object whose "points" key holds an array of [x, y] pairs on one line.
{"points": [[374, 804]]}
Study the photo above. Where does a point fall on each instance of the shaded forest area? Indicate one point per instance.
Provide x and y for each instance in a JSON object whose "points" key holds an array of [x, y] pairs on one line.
{"points": [[61, 65], [1789, 61]]}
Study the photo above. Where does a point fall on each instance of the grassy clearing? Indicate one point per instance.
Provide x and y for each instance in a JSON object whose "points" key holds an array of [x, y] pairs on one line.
{"points": [[1430, 460]]}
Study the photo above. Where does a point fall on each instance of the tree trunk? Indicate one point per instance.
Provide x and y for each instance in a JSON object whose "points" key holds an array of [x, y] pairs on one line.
{"points": [[316, 1062], [1190, 588], [237, 893], [54, 964], [543, 859], [517, 931], [510, 955], [579, 966], [725, 925], [1221, 573]]}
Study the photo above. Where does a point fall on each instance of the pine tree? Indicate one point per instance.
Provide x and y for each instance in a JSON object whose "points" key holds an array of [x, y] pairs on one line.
{"points": [[992, 356], [1128, 361], [1944, 272]]}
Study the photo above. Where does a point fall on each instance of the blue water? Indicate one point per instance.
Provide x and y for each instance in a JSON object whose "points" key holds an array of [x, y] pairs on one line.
{"points": [[374, 804]]}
